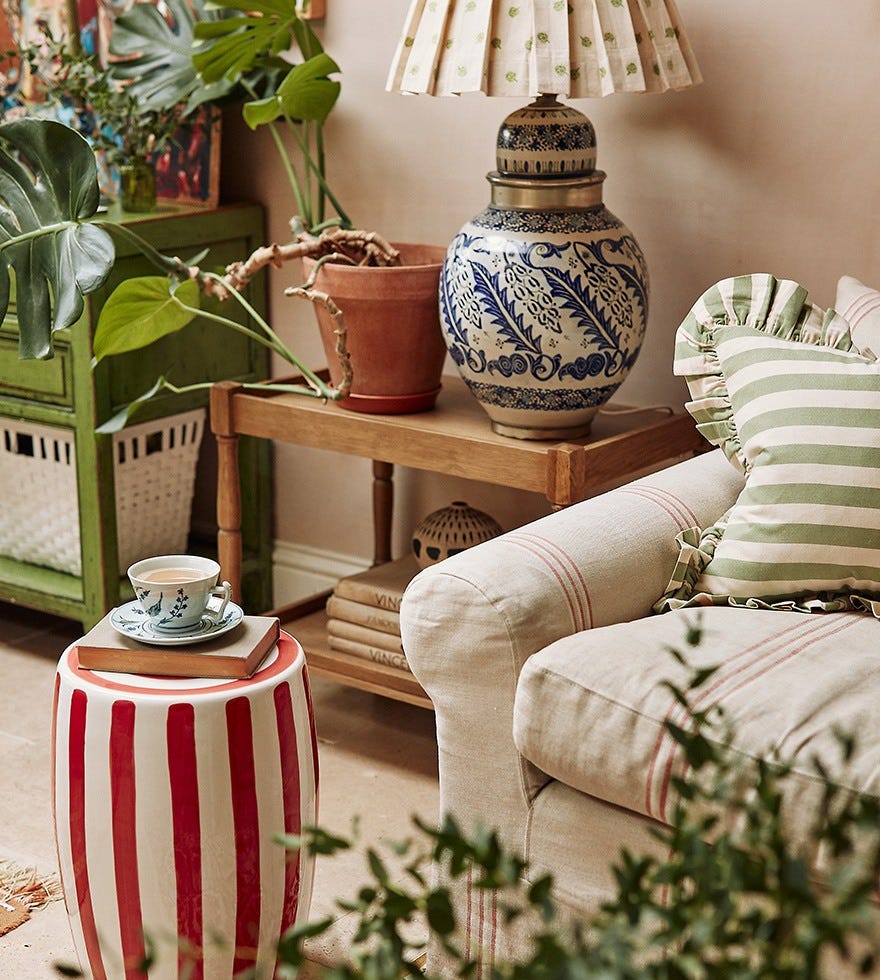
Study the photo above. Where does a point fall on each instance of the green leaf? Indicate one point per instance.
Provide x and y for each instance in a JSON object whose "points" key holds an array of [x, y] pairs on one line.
{"points": [[155, 55], [377, 867], [118, 421], [48, 188], [237, 45], [307, 93], [140, 311], [441, 916]]}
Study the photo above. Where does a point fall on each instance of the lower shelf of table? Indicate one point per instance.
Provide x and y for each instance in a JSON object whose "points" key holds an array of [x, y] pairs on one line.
{"points": [[310, 629]]}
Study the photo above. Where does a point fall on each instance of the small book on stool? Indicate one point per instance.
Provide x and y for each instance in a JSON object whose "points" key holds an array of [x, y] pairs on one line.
{"points": [[236, 655]]}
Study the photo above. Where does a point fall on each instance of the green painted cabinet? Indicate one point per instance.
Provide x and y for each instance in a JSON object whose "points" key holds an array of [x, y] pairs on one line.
{"points": [[66, 394]]}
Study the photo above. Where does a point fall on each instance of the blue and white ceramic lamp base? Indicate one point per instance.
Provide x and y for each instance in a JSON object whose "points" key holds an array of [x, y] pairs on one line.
{"points": [[544, 295]]}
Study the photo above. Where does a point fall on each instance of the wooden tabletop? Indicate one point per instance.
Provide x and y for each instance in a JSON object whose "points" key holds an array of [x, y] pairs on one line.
{"points": [[456, 438]]}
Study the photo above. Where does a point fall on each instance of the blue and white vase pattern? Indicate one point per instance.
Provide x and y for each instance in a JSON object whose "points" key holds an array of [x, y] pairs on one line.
{"points": [[544, 313]]}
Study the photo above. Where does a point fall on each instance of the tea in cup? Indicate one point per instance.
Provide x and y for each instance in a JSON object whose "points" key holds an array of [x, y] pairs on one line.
{"points": [[174, 591]]}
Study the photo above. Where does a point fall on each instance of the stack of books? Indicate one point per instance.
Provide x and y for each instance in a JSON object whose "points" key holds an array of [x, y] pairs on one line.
{"points": [[363, 614]]}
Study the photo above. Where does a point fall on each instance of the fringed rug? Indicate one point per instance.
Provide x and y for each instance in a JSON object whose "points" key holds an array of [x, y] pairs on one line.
{"points": [[23, 891]]}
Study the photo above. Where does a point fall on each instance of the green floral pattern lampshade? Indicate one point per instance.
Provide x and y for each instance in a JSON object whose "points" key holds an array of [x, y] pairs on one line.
{"points": [[575, 48]]}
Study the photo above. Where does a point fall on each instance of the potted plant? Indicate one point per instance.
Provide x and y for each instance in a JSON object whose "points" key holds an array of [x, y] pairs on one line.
{"points": [[237, 53]]}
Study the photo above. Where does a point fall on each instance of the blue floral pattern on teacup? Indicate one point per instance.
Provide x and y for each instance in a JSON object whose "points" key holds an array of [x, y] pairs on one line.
{"points": [[154, 611]]}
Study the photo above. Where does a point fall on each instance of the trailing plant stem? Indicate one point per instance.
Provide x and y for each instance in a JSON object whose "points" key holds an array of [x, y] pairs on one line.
{"points": [[331, 394], [291, 174], [272, 342], [317, 170], [163, 262]]}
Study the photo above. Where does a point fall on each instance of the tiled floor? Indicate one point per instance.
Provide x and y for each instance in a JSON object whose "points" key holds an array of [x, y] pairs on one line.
{"points": [[377, 758]]}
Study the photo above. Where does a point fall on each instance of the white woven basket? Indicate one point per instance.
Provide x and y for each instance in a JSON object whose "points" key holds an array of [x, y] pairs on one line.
{"points": [[154, 467]]}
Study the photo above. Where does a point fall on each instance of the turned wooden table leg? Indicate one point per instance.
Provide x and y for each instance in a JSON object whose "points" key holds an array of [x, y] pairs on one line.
{"points": [[229, 545], [383, 506]]}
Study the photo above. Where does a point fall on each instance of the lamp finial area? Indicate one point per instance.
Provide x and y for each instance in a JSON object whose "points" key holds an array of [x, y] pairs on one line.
{"points": [[546, 139]]}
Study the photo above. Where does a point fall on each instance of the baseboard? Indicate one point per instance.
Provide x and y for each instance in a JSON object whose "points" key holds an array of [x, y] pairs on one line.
{"points": [[299, 571]]}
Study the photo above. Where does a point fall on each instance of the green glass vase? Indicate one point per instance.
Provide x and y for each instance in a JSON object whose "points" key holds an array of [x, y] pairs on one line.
{"points": [[137, 186]]}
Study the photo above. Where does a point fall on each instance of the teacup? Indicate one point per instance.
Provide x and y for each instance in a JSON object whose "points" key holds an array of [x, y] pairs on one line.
{"points": [[173, 591]]}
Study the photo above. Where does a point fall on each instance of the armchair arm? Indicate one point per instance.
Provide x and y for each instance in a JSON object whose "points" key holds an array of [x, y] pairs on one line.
{"points": [[470, 623]]}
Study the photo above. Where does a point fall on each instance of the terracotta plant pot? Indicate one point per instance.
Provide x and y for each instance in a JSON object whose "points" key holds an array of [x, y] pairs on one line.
{"points": [[393, 321]]}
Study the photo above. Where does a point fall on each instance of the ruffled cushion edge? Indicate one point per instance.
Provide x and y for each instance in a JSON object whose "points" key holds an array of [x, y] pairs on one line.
{"points": [[776, 307], [696, 549]]}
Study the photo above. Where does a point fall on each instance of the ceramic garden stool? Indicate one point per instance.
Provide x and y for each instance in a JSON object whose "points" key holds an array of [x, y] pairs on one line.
{"points": [[168, 793]]}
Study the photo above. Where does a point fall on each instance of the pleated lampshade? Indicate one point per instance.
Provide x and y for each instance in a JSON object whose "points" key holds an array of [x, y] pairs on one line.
{"points": [[574, 48]]}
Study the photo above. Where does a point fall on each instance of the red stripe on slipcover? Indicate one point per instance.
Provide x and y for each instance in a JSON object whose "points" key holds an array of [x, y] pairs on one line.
{"points": [[494, 934], [469, 913], [124, 831], [245, 818], [676, 508], [76, 766], [481, 913], [184, 785], [806, 638], [764, 648], [290, 793], [575, 606], [816, 635], [572, 573], [859, 307], [811, 641], [870, 308], [675, 708]]}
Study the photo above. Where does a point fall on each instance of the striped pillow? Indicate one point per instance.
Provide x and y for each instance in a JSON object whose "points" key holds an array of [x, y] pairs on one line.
{"points": [[776, 383]]}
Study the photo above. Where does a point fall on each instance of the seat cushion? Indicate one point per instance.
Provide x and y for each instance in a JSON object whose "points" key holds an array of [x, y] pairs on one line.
{"points": [[590, 708]]}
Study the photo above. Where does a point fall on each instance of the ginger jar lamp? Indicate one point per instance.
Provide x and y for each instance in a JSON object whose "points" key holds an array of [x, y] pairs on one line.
{"points": [[544, 294]]}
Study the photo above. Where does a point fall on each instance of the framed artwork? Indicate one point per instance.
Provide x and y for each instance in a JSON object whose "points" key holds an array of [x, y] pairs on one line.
{"points": [[188, 169]]}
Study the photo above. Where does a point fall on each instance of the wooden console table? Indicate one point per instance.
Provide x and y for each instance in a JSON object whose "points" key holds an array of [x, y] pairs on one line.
{"points": [[455, 439]]}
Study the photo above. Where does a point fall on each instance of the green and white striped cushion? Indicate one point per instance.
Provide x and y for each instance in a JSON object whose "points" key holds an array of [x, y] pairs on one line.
{"points": [[776, 383]]}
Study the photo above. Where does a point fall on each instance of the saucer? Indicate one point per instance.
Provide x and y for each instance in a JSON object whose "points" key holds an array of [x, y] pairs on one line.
{"points": [[131, 620]]}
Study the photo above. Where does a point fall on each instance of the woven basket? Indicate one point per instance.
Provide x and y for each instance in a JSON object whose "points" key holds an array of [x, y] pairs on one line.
{"points": [[154, 467]]}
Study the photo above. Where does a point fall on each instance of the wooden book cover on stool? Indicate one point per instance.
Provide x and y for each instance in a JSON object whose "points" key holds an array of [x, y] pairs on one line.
{"points": [[235, 655]]}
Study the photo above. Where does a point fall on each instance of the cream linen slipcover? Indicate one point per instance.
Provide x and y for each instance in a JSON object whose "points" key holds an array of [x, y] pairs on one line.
{"points": [[588, 706], [786, 680]]}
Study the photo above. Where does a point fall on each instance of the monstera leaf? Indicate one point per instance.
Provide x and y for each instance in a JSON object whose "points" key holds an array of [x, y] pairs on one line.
{"points": [[156, 54], [48, 189], [306, 93], [236, 46]]}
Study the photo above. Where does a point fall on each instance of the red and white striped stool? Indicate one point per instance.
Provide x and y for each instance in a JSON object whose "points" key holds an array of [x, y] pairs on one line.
{"points": [[168, 793]]}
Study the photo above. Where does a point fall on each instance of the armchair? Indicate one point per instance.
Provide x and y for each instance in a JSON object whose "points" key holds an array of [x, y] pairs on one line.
{"points": [[545, 665]]}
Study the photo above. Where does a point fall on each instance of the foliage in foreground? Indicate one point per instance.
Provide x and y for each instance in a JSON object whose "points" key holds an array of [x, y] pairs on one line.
{"points": [[747, 906]]}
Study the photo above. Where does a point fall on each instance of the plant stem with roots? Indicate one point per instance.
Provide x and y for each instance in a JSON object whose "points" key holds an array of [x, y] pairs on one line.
{"points": [[317, 385]]}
